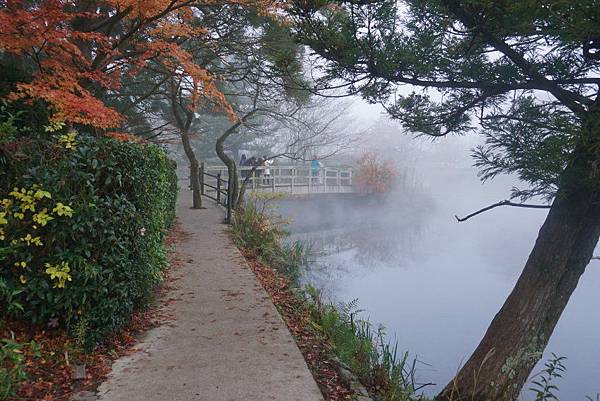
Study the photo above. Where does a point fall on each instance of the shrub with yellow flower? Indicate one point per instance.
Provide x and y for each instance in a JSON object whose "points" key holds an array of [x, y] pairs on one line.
{"points": [[72, 210], [59, 273], [24, 214], [68, 141]]}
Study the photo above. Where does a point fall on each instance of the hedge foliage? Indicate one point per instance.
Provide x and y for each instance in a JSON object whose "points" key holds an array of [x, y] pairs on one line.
{"points": [[83, 221]]}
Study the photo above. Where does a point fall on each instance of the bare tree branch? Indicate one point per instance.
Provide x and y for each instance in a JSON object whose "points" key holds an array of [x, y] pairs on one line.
{"points": [[501, 203]]}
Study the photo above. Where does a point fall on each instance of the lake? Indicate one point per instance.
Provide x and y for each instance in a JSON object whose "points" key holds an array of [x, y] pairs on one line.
{"points": [[436, 284]]}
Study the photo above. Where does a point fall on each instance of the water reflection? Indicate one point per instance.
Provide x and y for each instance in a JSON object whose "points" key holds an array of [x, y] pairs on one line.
{"points": [[436, 284]]}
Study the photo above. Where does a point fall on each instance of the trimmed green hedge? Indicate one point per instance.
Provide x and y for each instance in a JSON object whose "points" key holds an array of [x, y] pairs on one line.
{"points": [[83, 222]]}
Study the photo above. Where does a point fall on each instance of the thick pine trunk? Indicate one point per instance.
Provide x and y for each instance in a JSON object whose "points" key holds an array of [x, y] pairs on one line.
{"points": [[519, 333], [194, 171]]}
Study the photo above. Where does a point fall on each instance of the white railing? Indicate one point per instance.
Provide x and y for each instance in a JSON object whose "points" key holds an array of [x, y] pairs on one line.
{"points": [[291, 179]]}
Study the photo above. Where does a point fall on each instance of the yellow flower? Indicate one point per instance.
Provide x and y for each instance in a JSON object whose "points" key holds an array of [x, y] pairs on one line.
{"points": [[21, 264], [54, 126], [19, 215], [40, 194], [26, 198], [63, 210], [59, 272], [42, 218], [22, 279], [27, 204], [68, 141], [15, 193], [29, 239], [3, 219], [6, 203], [2, 237]]}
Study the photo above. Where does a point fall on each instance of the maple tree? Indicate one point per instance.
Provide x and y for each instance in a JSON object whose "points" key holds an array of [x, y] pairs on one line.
{"points": [[79, 54], [374, 175]]}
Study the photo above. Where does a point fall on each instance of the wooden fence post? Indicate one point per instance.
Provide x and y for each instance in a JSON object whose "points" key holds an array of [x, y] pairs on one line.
{"points": [[219, 187], [202, 178], [229, 198], [272, 177]]}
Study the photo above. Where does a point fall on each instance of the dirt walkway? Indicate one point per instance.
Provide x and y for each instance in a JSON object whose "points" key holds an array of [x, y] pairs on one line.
{"points": [[227, 341]]}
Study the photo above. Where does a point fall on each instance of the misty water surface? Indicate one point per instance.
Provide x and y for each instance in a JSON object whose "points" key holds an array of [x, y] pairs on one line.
{"points": [[436, 284]]}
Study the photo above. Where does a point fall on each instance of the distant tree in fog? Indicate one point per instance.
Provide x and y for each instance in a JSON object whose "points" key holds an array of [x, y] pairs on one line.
{"points": [[374, 176]]}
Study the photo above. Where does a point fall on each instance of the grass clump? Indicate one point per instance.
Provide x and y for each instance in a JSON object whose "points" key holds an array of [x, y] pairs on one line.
{"points": [[257, 228], [364, 349], [12, 367]]}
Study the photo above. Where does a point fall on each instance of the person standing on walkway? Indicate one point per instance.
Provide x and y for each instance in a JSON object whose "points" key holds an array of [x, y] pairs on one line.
{"points": [[315, 167], [267, 171], [251, 162], [260, 162], [243, 163]]}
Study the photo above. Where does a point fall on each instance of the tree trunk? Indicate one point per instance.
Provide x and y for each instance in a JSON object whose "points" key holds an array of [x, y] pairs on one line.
{"points": [[242, 188], [242, 193], [519, 333], [194, 171], [232, 193]]}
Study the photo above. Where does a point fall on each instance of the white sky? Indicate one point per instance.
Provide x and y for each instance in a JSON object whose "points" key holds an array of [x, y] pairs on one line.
{"points": [[366, 114]]}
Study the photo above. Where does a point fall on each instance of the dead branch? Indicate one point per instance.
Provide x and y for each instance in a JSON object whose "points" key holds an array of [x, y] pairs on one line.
{"points": [[501, 203]]}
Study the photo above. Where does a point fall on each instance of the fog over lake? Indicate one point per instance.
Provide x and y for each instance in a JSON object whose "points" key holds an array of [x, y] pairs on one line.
{"points": [[435, 284]]}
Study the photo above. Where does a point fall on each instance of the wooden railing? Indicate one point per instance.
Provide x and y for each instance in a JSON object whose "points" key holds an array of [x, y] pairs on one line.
{"points": [[216, 192], [213, 186], [290, 179], [214, 181]]}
